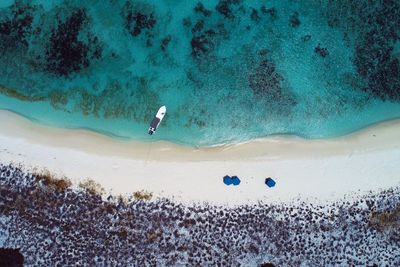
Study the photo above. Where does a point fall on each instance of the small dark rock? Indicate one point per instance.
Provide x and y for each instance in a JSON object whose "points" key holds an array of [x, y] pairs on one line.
{"points": [[66, 52], [271, 11], [200, 45], [254, 16], [322, 51], [139, 21], [201, 9], [223, 7], [306, 38], [187, 22], [263, 52], [294, 20], [165, 41], [198, 27]]}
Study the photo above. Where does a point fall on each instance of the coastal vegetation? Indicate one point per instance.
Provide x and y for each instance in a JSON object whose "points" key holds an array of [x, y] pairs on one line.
{"points": [[92, 187], [386, 220], [142, 195], [46, 178], [76, 226]]}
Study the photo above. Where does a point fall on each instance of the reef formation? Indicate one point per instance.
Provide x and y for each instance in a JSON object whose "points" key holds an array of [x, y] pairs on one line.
{"points": [[52, 224]]}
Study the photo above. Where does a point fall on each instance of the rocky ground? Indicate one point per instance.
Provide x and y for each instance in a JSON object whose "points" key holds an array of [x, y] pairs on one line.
{"points": [[55, 225]]}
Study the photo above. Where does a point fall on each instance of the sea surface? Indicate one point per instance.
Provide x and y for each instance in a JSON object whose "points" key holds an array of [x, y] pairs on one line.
{"points": [[228, 71]]}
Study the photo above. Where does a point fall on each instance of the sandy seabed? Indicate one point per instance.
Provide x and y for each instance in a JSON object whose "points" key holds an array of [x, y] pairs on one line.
{"points": [[312, 170]]}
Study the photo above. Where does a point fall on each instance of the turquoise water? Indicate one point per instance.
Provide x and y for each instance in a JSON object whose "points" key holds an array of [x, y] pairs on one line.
{"points": [[228, 70]]}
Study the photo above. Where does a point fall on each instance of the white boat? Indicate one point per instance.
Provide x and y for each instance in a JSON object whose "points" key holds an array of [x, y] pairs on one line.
{"points": [[157, 119]]}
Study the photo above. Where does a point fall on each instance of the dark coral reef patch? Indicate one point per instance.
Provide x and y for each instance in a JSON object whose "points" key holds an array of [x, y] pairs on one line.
{"points": [[56, 41], [377, 31], [322, 51], [374, 54], [199, 8], [266, 80], [138, 18], [225, 7], [266, 84], [202, 43], [16, 25], [66, 52], [294, 20], [270, 11]]}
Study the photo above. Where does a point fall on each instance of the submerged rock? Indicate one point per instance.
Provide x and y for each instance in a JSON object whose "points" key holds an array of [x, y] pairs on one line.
{"points": [[271, 11], [164, 42], [294, 20], [225, 7], [322, 51], [199, 8], [202, 41], [254, 15], [306, 38], [139, 21]]}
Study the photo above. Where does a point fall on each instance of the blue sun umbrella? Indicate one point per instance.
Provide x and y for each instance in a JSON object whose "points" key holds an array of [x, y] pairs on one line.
{"points": [[235, 180], [227, 180], [270, 182]]}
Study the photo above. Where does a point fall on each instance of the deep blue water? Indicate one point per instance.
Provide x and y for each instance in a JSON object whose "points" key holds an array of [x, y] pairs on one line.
{"points": [[227, 70]]}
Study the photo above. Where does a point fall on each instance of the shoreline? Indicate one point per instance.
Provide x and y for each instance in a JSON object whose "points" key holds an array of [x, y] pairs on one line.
{"points": [[308, 169]]}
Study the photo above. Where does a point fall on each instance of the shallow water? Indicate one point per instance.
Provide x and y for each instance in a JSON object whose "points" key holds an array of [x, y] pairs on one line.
{"points": [[227, 70]]}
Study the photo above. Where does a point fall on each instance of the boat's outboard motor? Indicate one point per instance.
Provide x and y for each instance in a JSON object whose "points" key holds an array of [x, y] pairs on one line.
{"points": [[151, 131]]}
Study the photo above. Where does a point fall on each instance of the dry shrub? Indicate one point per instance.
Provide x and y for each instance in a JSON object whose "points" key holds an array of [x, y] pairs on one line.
{"points": [[92, 187], [122, 199], [109, 207], [46, 178], [142, 195], [153, 236], [123, 233], [385, 220]]}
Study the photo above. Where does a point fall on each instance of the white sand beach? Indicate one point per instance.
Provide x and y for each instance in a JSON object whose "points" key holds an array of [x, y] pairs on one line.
{"points": [[312, 170]]}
